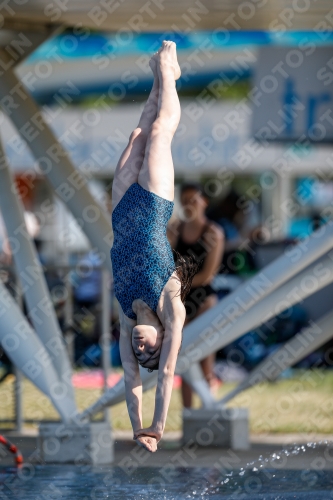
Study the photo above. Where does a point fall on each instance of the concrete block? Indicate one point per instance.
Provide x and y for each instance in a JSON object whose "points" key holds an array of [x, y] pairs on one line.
{"points": [[89, 443], [222, 427]]}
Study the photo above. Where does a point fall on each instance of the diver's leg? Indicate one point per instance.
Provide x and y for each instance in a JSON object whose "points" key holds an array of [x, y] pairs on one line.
{"points": [[157, 173], [131, 160]]}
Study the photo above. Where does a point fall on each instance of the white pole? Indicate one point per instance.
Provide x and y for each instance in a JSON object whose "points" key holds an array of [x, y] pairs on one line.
{"points": [[105, 331], [32, 279], [105, 326], [68, 316], [54, 161], [18, 400], [19, 418], [27, 352], [293, 351]]}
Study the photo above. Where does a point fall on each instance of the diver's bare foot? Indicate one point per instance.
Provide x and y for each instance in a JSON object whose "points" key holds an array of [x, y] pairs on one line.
{"points": [[147, 442], [168, 58], [153, 64], [176, 65]]}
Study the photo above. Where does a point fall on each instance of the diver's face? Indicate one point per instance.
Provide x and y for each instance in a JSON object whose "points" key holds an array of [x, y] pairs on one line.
{"points": [[146, 344]]}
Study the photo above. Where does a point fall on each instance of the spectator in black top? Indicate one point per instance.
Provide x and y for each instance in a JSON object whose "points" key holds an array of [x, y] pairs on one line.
{"points": [[203, 240]]}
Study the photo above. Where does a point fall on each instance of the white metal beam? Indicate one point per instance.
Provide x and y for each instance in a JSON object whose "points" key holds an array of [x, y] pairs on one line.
{"points": [[68, 183], [293, 351], [27, 352], [207, 333], [32, 279]]}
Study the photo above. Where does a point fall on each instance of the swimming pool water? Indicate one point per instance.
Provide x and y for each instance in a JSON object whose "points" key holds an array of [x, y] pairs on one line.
{"points": [[162, 483]]}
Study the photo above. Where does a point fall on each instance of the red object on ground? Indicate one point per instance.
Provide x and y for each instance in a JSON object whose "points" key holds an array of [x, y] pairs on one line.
{"points": [[13, 449], [93, 379]]}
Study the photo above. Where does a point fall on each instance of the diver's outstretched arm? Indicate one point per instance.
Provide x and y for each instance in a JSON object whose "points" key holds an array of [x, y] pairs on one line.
{"points": [[168, 359], [169, 353], [174, 318], [133, 384]]}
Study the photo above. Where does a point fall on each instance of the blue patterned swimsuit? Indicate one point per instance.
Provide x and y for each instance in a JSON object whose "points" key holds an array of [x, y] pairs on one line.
{"points": [[141, 255]]}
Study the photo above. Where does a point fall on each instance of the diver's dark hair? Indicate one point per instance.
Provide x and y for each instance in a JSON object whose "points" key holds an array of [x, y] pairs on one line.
{"points": [[152, 368], [186, 269]]}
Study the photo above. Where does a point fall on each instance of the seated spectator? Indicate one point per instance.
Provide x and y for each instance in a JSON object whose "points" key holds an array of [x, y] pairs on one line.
{"points": [[203, 240]]}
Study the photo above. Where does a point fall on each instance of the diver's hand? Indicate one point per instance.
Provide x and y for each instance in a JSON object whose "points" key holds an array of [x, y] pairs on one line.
{"points": [[149, 431], [147, 442]]}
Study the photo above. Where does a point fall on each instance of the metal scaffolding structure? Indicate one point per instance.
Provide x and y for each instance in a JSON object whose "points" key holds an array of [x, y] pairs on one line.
{"points": [[67, 182], [72, 188], [29, 354], [41, 356], [32, 279]]}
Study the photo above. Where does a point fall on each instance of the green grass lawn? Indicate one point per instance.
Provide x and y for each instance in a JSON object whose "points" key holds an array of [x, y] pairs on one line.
{"points": [[302, 404]]}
